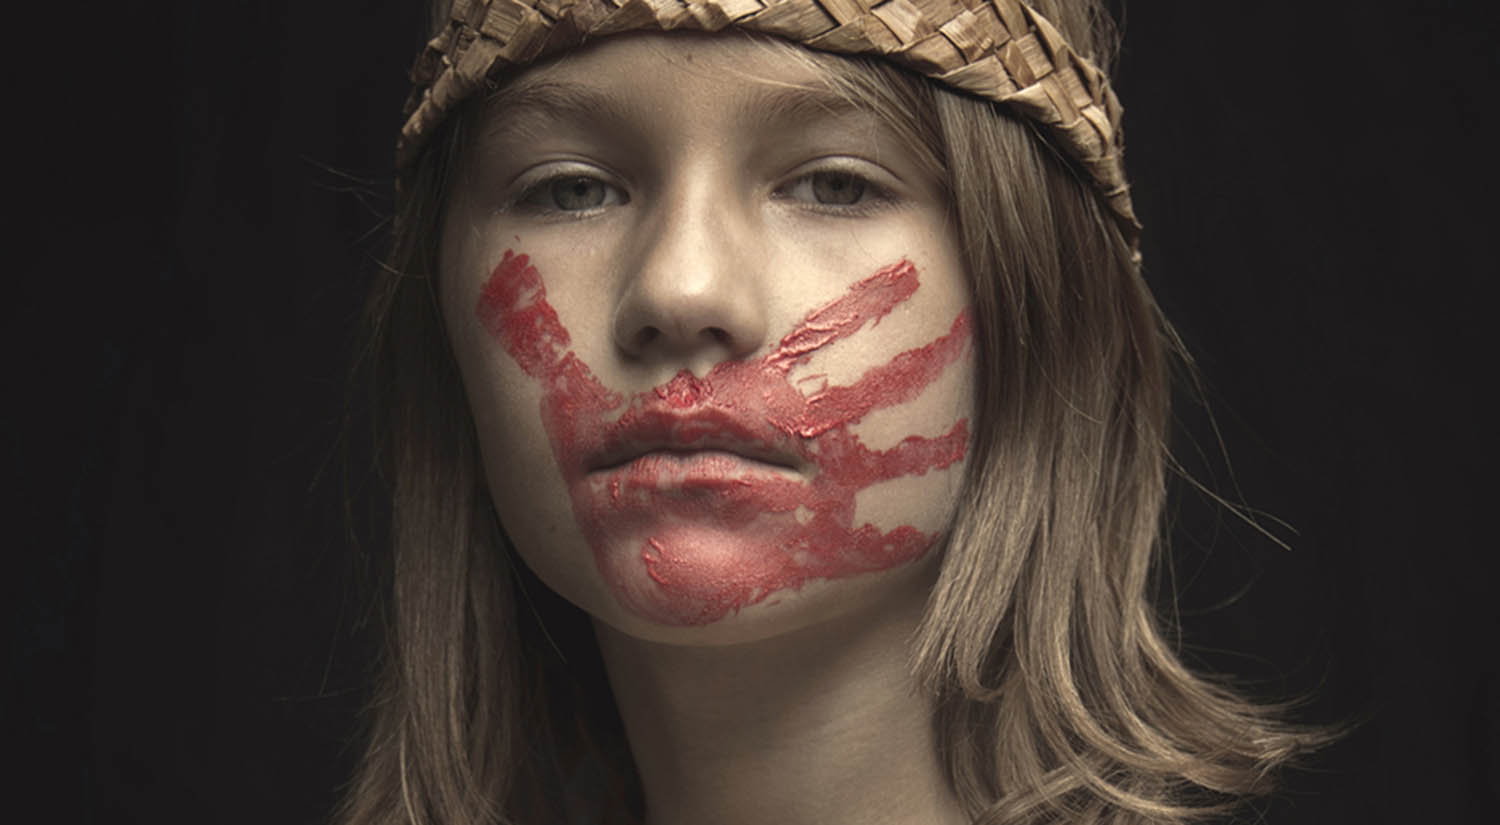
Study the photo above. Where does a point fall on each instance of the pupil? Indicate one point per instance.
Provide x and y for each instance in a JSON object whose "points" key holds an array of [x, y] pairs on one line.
{"points": [[577, 193], [837, 188]]}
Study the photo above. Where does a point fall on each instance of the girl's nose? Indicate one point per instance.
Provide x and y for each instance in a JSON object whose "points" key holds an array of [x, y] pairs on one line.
{"points": [[695, 294]]}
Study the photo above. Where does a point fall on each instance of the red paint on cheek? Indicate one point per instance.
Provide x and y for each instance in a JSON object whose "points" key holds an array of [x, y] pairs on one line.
{"points": [[702, 496]]}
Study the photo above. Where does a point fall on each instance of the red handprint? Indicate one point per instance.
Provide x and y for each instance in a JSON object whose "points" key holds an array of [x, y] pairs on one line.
{"points": [[689, 468]]}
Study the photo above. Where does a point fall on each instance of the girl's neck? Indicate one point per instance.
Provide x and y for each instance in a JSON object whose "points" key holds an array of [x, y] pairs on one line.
{"points": [[824, 725]]}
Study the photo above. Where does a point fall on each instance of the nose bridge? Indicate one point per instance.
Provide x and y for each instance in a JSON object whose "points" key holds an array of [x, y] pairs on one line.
{"points": [[694, 293], [695, 229]]}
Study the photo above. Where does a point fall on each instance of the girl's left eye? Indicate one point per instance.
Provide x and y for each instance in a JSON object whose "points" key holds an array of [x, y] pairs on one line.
{"points": [[833, 189], [572, 193], [837, 188]]}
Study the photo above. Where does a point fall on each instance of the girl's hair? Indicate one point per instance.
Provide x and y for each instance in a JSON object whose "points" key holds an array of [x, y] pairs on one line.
{"points": [[1056, 695]]}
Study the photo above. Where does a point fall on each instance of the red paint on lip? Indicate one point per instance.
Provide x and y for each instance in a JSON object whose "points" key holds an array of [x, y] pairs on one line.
{"points": [[717, 535]]}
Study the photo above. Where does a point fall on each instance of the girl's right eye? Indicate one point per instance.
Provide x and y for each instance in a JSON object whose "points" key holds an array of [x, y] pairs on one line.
{"points": [[572, 194]]}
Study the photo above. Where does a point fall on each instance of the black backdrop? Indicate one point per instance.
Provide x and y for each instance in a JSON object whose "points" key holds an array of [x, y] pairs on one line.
{"points": [[202, 188]]}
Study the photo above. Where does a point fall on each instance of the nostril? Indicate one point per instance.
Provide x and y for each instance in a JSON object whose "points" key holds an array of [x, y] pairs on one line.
{"points": [[658, 315], [645, 336]]}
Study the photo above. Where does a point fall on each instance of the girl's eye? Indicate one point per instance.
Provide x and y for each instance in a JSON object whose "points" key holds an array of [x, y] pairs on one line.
{"points": [[837, 188], [572, 193], [836, 191]]}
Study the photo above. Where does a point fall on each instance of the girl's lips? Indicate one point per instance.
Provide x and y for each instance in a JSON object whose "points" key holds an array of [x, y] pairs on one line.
{"points": [[707, 438], [677, 467], [676, 490]]}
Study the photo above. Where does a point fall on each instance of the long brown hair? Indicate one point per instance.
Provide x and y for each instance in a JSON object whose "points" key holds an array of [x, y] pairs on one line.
{"points": [[1056, 694]]}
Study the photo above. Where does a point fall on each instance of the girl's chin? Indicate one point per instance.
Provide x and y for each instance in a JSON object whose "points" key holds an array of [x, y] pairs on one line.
{"points": [[716, 593], [695, 571]]}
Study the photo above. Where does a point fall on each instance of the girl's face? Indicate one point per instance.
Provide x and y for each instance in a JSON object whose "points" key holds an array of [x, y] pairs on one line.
{"points": [[713, 327]]}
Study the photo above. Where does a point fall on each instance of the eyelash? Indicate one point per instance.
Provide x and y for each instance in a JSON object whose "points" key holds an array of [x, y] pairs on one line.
{"points": [[524, 200], [872, 197]]}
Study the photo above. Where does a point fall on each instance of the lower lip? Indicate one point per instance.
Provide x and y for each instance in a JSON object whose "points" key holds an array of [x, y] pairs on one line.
{"points": [[727, 480], [666, 467]]}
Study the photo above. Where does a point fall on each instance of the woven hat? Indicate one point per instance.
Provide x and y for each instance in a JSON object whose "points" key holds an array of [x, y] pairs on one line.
{"points": [[1000, 50]]}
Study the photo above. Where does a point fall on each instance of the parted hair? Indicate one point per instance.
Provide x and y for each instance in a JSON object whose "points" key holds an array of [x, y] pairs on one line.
{"points": [[1057, 695]]}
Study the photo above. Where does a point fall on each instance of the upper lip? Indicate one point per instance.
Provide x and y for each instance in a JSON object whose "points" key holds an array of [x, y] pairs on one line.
{"points": [[657, 428]]}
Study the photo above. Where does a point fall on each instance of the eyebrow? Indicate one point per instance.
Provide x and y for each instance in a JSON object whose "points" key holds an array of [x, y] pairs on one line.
{"points": [[797, 102], [517, 105]]}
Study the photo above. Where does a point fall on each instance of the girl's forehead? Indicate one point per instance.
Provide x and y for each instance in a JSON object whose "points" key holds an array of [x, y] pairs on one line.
{"points": [[625, 64], [650, 82]]}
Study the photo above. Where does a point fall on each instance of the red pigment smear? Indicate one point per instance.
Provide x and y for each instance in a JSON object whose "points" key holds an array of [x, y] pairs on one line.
{"points": [[667, 468]]}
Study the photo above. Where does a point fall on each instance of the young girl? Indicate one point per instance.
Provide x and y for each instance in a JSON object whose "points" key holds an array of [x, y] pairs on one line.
{"points": [[777, 429]]}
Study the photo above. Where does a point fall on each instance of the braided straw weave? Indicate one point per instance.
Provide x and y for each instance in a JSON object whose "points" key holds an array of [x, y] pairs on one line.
{"points": [[1001, 50]]}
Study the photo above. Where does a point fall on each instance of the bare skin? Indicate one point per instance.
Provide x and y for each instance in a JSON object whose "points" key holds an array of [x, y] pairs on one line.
{"points": [[688, 204], [822, 726]]}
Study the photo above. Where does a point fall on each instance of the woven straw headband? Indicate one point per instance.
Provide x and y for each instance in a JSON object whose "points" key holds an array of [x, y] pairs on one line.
{"points": [[1000, 50]]}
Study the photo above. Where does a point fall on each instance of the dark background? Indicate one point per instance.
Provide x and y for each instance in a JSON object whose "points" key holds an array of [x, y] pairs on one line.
{"points": [[201, 197]]}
